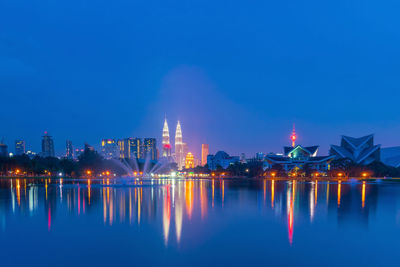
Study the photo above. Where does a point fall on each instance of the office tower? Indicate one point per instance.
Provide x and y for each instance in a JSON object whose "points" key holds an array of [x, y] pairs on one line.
{"points": [[166, 146], [78, 153], [204, 153], [136, 148], [179, 153], [131, 148], [189, 161], [47, 146], [109, 149], [150, 148], [3, 149], [124, 151], [69, 150], [19, 147]]}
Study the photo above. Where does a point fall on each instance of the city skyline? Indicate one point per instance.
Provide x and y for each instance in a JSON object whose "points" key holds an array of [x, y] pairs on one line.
{"points": [[197, 151]]}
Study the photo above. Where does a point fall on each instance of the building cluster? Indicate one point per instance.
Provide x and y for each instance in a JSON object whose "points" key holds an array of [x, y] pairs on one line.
{"points": [[130, 148], [181, 155], [294, 159], [126, 148]]}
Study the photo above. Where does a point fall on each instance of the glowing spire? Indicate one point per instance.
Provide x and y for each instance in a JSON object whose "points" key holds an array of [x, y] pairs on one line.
{"points": [[165, 140], [293, 137], [178, 134], [179, 153]]}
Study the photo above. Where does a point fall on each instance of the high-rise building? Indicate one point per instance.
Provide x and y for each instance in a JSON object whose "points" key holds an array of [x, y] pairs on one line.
{"points": [[189, 161], [179, 153], [69, 150], [78, 153], [150, 148], [19, 147], [109, 149], [47, 146], [166, 146], [3, 149], [205, 150], [124, 151], [136, 148], [131, 148]]}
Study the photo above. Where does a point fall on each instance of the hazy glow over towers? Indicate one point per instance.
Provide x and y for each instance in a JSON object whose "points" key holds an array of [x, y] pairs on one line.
{"points": [[179, 153], [166, 146], [189, 162], [204, 153]]}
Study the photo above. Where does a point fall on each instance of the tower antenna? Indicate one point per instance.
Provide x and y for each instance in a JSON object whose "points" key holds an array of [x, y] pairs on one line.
{"points": [[293, 137]]}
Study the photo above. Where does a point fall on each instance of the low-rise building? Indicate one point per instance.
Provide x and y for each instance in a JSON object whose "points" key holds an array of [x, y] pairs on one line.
{"points": [[298, 159], [221, 158], [360, 150]]}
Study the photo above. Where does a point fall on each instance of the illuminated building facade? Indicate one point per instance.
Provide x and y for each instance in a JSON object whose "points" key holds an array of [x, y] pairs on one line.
{"points": [[205, 150], [360, 150], [179, 146], [136, 148], [166, 146], [150, 148], [124, 151], [69, 150], [189, 161], [20, 147], [109, 149], [296, 158], [47, 146], [131, 148]]}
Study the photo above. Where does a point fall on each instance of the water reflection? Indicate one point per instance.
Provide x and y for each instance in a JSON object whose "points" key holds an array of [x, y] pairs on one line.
{"points": [[174, 204]]}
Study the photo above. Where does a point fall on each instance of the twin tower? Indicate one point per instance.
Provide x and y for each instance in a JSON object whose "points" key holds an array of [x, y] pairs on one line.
{"points": [[180, 147]]}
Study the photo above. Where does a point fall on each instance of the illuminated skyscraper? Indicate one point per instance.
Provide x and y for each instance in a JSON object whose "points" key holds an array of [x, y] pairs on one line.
{"points": [[124, 151], [131, 148], [189, 161], [179, 152], [150, 148], [166, 146], [109, 148], [204, 153], [136, 148], [47, 146], [19, 147], [69, 150]]}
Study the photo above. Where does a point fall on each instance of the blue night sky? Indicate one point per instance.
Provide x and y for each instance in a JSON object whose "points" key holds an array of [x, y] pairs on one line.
{"points": [[237, 74]]}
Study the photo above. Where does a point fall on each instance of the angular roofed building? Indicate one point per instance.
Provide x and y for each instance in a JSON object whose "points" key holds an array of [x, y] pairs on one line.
{"points": [[297, 158], [391, 156], [360, 150]]}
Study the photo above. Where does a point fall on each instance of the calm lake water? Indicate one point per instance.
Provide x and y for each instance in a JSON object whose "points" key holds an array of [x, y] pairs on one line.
{"points": [[198, 222]]}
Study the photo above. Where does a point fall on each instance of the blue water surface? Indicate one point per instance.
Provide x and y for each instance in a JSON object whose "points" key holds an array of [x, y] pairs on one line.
{"points": [[183, 222]]}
